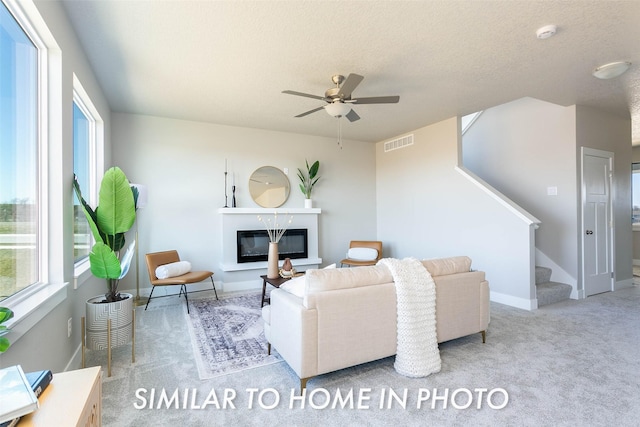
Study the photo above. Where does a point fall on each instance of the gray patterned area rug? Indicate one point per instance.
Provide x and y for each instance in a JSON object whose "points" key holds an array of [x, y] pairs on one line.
{"points": [[228, 335]]}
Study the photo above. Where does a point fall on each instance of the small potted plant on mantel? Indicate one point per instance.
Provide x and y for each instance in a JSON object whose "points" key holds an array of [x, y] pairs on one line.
{"points": [[109, 222], [308, 181]]}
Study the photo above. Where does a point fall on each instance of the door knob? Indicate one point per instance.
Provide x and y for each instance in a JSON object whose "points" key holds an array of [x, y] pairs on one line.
{"points": [[589, 232]]}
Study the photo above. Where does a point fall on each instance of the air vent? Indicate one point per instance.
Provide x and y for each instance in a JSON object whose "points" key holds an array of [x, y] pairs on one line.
{"points": [[398, 143]]}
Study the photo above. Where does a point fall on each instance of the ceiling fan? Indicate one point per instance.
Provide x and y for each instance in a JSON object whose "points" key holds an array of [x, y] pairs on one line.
{"points": [[339, 98]]}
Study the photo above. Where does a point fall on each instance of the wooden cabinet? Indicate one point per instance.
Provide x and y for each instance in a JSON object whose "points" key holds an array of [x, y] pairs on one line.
{"points": [[73, 398]]}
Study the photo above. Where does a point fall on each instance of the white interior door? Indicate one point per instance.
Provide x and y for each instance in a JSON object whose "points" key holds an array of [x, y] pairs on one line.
{"points": [[597, 226]]}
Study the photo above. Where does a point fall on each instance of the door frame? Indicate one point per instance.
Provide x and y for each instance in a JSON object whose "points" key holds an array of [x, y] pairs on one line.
{"points": [[585, 151]]}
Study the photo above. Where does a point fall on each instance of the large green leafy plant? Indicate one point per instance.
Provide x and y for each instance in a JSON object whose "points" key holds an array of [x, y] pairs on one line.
{"points": [[309, 180], [109, 221], [5, 314]]}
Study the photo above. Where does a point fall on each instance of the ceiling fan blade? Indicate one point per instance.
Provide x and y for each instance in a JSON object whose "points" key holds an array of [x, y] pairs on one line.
{"points": [[352, 81], [377, 100], [310, 111], [352, 116], [307, 95]]}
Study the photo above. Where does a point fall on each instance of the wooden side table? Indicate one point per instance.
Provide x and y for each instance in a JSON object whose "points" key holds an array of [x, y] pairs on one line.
{"points": [[73, 398]]}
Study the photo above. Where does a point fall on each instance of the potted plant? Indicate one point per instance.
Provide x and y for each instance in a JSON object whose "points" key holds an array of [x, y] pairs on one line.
{"points": [[109, 222], [308, 181], [5, 314]]}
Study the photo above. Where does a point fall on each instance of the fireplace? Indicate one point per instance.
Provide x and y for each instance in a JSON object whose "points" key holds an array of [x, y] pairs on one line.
{"points": [[245, 274], [253, 245]]}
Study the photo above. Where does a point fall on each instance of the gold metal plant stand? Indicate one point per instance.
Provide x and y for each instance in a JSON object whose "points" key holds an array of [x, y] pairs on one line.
{"points": [[133, 341], [138, 301]]}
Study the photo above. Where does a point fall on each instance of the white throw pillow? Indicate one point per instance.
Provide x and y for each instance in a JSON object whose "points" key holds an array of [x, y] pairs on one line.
{"points": [[294, 286], [173, 269], [362, 254]]}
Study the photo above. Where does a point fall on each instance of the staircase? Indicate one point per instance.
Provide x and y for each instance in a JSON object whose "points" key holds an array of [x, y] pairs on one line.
{"points": [[549, 292]]}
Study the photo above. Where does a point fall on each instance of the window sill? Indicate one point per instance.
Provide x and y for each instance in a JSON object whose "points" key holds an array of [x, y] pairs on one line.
{"points": [[635, 226], [81, 272], [33, 307]]}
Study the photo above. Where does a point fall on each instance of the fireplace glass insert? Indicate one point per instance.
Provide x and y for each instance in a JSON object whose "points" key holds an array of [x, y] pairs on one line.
{"points": [[253, 245]]}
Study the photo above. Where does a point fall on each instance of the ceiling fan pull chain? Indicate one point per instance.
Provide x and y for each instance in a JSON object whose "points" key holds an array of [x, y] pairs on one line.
{"points": [[340, 132]]}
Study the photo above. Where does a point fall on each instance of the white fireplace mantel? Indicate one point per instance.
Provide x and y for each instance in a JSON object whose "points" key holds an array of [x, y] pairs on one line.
{"points": [[234, 219], [269, 211]]}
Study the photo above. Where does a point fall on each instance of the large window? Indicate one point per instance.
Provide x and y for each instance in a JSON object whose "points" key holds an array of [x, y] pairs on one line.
{"points": [[19, 169]]}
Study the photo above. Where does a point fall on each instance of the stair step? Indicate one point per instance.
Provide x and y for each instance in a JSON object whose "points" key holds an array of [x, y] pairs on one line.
{"points": [[543, 275], [552, 292]]}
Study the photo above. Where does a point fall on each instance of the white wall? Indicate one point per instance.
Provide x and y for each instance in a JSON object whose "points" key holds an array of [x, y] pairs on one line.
{"points": [[522, 148], [635, 158], [182, 163], [604, 131], [427, 209], [46, 345], [525, 146]]}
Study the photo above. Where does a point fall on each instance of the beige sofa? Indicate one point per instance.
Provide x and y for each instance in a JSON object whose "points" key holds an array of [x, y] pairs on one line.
{"points": [[331, 319]]}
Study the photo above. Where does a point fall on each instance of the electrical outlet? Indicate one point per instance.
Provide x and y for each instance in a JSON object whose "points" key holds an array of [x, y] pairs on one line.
{"points": [[69, 327]]}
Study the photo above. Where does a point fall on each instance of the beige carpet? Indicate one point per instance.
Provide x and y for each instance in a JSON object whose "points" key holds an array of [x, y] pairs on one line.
{"points": [[567, 364]]}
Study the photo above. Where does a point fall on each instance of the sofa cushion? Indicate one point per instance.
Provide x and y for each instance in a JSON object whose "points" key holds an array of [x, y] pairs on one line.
{"points": [[295, 286], [343, 278], [446, 266]]}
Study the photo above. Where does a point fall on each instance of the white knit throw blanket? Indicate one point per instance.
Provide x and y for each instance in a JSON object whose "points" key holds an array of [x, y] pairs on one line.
{"points": [[417, 350]]}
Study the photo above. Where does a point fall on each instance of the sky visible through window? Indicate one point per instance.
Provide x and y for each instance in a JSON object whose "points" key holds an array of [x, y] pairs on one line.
{"points": [[18, 168], [19, 209]]}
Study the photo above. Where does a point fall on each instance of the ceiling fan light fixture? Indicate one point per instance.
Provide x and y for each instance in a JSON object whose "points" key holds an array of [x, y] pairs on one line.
{"points": [[337, 109], [611, 70]]}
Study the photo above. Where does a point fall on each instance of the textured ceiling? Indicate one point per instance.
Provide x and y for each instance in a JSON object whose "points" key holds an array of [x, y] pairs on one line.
{"points": [[227, 62]]}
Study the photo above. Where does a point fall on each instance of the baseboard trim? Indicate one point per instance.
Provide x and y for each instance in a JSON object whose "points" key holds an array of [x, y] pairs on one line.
{"points": [[76, 360], [622, 284], [175, 289], [241, 286], [510, 300]]}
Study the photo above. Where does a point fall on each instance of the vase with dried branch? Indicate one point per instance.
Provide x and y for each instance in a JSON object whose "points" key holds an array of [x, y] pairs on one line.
{"points": [[275, 230]]}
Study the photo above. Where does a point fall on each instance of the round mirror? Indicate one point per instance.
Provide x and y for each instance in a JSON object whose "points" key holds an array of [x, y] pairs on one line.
{"points": [[269, 187]]}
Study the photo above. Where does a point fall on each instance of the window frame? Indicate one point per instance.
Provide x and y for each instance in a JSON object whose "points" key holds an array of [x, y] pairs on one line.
{"points": [[34, 162], [96, 165], [33, 303]]}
